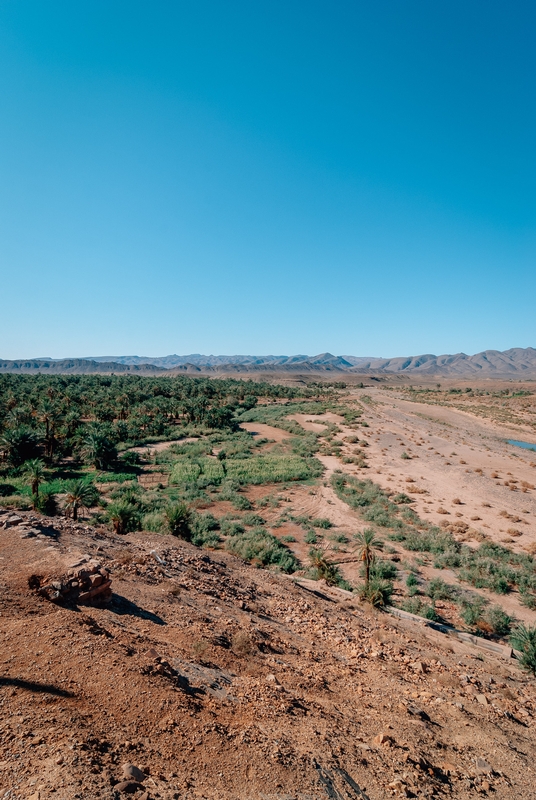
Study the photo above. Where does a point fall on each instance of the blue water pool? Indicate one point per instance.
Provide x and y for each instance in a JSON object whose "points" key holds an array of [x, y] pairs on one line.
{"points": [[525, 445]]}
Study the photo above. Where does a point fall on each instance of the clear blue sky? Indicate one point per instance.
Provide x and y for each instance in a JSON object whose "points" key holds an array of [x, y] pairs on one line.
{"points": [[267, 177]]}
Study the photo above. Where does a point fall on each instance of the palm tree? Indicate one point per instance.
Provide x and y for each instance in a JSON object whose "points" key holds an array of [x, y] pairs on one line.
{"points": [[19, 445], [34, 472], [367, 543], [49, 414], [80, 494], [98, 449]]}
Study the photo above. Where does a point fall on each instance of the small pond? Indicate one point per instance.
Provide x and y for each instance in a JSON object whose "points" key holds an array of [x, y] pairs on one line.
{"points": [[525, 445]]}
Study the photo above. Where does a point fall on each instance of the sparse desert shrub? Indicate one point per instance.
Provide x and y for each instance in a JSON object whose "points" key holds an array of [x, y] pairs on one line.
{"points": [[381, 569], [310, 537], [437, 589], [241, 502], [321, 522], [340, 538], [401, 499], [412, 605], [231, 527], [204, 530], [199, 650], [527, 599], [472, 610], [263, 549], [242, 645], [253, 519], [154, 521], [499, 621], [412, 581]]}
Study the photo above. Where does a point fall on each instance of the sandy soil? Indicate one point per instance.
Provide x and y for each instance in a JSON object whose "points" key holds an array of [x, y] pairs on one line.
{"points": [[265, 431]]}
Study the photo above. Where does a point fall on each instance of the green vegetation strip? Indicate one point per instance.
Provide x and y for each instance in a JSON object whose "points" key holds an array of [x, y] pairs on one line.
{"points": [[490, 566]]}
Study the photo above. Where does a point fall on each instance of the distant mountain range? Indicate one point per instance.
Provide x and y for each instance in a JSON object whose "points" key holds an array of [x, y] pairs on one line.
{"points": [[515, 363]]}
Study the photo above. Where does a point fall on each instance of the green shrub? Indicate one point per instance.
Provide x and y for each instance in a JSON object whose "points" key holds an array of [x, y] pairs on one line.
{"points": [[115, 477], [528, 600], [499, 621], [383, 570], [241, 502], [437, 589], [429, 612], [472, 610], [412, 605], [262, 548], [321, 522], [20, 502], [310, 537], [231, 528], [204, 530], [401, 499], [154, 521], [253, 519]]}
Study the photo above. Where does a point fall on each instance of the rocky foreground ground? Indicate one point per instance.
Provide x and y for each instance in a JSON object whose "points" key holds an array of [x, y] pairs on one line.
{"points": [[203, 677]]}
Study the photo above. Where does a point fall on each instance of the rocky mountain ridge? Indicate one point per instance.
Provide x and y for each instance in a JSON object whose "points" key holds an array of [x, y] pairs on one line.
{"points": [[517, 362]]}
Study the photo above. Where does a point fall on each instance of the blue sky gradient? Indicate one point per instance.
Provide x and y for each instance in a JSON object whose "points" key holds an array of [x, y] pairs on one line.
{"points": [[268, 177]]}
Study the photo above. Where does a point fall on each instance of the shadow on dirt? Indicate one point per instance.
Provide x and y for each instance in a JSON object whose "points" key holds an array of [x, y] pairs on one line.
{"points": [[31, 686], [122, 606]]}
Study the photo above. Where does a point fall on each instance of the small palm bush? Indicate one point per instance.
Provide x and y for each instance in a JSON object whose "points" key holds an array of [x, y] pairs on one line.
{"points": [[124, 516], [524, 639], [178, 519]]}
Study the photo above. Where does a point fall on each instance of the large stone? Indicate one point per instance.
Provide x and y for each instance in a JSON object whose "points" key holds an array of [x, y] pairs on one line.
{"points": [[128, 787], [483, 767], [12, 521], [130, 771]]}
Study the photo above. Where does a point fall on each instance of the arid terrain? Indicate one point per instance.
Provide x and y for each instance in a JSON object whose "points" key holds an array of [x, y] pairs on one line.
{"points": [[221, 680]]}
